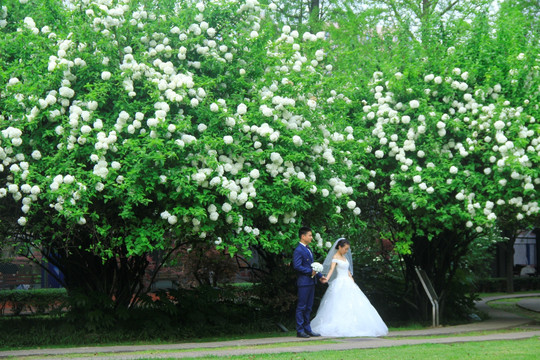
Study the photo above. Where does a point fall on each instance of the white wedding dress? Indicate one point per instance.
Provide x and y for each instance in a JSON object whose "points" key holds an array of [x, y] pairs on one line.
{"points": [[345, 310]]}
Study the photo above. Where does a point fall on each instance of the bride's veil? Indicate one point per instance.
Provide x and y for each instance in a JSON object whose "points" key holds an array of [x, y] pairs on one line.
{"points": [[328, 260]]}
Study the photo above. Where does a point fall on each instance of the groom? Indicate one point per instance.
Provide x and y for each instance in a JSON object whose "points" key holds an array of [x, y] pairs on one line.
{"points": [[307, 278]]}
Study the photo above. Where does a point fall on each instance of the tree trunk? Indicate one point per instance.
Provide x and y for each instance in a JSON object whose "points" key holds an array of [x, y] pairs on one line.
{"points": [[106, 284], [509, 255]]}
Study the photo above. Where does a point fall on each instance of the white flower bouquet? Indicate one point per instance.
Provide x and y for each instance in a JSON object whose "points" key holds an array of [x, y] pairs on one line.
{"points": [[317, 267]]}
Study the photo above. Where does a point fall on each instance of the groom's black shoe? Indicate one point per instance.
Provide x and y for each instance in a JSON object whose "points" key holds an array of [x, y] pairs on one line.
{"points": [[302, 335], [313, 334]]}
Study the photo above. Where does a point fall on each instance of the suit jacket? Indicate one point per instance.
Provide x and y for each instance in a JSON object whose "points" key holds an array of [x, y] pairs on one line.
{"points": [[302, 260]]}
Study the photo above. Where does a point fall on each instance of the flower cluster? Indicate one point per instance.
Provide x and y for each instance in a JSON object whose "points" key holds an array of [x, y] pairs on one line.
{"points": [[433, 147]]}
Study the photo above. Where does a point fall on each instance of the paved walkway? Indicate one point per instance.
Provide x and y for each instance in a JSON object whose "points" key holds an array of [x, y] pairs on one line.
{"points": [[530, 304], [498, 320]]}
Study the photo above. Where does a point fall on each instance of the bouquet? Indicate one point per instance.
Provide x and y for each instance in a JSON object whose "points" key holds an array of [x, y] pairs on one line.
{"points": [[317, 267]]}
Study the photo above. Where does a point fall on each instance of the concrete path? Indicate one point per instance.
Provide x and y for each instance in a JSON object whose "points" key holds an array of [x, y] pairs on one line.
{"points": [[498, 320], [530, 304]]}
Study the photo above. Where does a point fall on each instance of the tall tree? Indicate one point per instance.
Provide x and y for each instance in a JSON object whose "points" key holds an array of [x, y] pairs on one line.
{"points": [[132, 126]]}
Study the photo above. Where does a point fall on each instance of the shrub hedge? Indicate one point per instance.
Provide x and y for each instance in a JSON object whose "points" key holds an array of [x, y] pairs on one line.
{"points": [[36, 301]]}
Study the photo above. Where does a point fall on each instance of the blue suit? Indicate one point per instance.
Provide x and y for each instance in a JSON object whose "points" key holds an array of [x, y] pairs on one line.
{"points": [[302, 260]]}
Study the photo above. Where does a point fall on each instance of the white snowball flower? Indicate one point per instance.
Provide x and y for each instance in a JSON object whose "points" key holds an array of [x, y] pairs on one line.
{"points": [[36, 155], [254, 174], [453, 170], [297, 140], [200, 6], [226, 207], [66, 92], [228, 139], [172, 219], [414, 104], [25, 188], [241, 109], [351, 204], [499, 125], [273, 219], [371, 185], [22, 221], [68, 179], [105, 75]]}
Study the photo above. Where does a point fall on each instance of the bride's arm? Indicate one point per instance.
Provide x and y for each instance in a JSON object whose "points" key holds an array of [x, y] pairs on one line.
{"points": [[332, 267]]}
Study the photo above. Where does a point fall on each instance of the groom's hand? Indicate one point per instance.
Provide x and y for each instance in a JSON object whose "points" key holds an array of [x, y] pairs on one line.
{"points": [[323, 280], [313, 273]]}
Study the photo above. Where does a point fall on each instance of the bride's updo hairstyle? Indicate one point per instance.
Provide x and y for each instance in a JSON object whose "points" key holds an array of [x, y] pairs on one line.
{"points": [[341, 243]]}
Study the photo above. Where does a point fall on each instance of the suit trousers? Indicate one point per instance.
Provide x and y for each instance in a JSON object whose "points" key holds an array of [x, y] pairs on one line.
{"points": [[306, 295]]}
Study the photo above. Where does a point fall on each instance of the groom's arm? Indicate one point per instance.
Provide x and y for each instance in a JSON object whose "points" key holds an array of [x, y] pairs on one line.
{"points": [[297, 264]]}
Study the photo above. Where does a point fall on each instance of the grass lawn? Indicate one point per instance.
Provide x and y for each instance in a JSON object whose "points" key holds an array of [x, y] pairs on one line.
{"points": [[492, 350], [485, 295], [503, 350]]}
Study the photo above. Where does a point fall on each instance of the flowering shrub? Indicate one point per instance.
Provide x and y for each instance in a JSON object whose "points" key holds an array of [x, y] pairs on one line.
{"points": [[130, 127], [451, 154]]}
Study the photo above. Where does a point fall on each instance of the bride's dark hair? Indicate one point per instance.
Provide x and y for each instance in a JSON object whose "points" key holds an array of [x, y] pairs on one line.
{"points": [[342, 243]]}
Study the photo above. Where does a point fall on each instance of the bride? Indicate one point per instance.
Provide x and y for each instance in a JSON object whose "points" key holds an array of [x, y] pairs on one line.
{"points": [[344, 309]]}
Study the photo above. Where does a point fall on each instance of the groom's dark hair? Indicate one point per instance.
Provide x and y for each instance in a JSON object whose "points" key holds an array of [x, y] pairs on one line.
{"points": [[303, 231]]}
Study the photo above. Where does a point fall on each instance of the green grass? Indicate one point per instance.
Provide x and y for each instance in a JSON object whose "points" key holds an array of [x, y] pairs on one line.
{"points": [[465, 334], [485, 295], [493, 350], [512, 300], [163, 352], [503, 350]]}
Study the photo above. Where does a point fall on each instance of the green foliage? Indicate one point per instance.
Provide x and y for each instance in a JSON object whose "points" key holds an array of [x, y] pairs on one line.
{"points": [[131, 127]]}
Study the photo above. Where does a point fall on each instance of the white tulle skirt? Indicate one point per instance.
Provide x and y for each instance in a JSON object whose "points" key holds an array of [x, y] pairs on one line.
{"points": [[346, 312]]}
